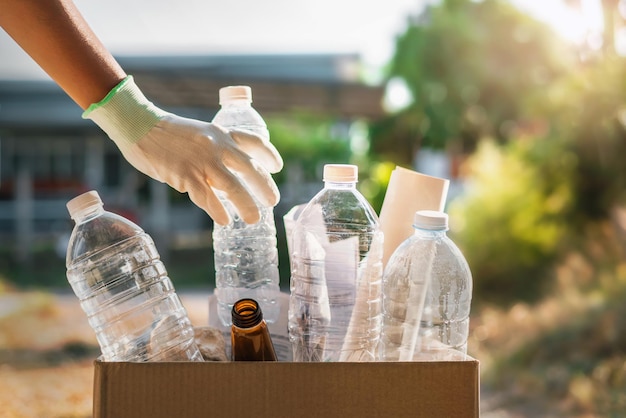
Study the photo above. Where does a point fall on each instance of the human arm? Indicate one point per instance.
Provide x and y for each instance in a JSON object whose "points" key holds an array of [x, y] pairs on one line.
{"points": [[195, 157], [56, 36]]}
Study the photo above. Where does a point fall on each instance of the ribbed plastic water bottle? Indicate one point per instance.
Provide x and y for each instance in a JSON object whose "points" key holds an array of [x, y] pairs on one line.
{"points": [[427, 292], [336, 273], [246, 256], [123, 288]]}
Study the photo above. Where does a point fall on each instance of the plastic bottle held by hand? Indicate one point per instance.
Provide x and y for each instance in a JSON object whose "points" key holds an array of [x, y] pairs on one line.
{"points": [[246, 256], [123, 288], [444, 325], [336, 273], [250, 337]]}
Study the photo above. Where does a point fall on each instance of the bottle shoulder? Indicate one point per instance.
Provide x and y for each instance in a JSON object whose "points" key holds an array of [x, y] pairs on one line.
{"points": [[98, 234], [242, 117], [339, 204], [440, 249]]}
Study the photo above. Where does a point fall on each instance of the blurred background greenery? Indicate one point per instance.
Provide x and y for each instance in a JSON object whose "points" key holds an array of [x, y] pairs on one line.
{"points": [[535, 125], [540, 125]]}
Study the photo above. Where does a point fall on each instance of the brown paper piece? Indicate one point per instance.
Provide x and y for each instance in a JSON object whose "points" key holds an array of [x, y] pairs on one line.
{"points": [[211, 343], [408, 192]]}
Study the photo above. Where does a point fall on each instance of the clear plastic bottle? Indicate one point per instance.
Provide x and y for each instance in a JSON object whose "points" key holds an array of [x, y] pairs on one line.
{"points": [[336, 273], [246, 256], [427, 292], [123, 288]]}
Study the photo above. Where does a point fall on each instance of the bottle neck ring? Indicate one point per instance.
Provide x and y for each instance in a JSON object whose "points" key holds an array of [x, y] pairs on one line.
{"points": [[429, 233], [246, 313], [87, 213], [339, 185], [236, 103]]}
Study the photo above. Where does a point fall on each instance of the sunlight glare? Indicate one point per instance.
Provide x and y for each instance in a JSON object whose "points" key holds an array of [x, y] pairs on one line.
{"points": [[397, 95], [575, 25]]}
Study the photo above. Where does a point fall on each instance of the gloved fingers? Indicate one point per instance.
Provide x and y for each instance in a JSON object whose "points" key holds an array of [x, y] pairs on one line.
{"points": [[235, 191], [257, 179], [259, 149], [201, 194]]}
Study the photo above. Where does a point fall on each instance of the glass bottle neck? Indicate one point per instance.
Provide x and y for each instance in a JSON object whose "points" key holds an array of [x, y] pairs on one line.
{"points": [[246, 313]]}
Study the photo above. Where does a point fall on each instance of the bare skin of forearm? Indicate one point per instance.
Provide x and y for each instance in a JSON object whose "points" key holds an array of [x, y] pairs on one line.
{"points": [[56, 36]]}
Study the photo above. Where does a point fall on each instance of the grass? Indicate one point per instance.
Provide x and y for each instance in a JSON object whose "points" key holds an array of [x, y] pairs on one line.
{"points": [[565, 354]]}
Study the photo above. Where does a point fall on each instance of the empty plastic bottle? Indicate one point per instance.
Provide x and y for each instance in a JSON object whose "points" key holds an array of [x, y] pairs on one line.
{"points": [[246, 256], [427, 292], [123, 288], [336, 273], [250, 337]]}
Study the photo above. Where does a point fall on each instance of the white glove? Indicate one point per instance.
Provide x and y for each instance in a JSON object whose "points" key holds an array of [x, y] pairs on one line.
{"points": [[191, 156]]}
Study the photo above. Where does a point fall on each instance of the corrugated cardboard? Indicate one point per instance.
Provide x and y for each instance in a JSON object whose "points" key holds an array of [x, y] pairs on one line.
{"points": [[283, 389]]}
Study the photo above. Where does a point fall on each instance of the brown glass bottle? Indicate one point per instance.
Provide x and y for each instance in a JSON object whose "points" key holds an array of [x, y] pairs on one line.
{"points": [[249, 335]]}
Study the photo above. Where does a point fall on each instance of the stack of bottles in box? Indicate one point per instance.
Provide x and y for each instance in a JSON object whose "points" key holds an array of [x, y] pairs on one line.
{"points": [[344, 305]]}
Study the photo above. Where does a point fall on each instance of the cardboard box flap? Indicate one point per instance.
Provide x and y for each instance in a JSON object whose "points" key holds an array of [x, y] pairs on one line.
{"points": [[381, 389]]}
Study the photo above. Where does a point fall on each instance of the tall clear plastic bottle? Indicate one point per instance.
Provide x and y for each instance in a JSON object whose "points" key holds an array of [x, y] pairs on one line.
{"points": [[246, 256], [336, 273], [123, 288], [427, 292]]}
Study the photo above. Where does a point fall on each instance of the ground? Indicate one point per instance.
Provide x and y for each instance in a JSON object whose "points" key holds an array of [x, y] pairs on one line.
{"points": [[47, 351]]}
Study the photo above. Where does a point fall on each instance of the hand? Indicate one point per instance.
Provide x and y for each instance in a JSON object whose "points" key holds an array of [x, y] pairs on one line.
{"points": [[191, 156], [199, 158]]}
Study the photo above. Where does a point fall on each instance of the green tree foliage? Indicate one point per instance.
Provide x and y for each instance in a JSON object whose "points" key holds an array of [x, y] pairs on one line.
{"points": [[587, 110], [512, 219], [539, 193], [469, 66], [555, 161], [309, 142]]}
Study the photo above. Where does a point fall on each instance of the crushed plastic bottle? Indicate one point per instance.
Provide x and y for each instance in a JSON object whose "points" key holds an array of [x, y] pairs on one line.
{"points": [[123, 288]]}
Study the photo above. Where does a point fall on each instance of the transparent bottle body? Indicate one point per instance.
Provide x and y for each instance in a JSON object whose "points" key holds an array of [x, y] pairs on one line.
{"points": [[405, 284], [427, 291], [245, 255], [115, 271], [336, 273], [241, 114]]}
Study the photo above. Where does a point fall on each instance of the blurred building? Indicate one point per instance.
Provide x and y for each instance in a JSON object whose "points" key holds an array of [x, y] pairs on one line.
{"points": [[49, 154]]}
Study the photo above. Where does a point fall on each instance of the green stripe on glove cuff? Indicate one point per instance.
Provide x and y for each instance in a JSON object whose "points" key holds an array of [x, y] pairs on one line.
{"points": [[125, 114]]}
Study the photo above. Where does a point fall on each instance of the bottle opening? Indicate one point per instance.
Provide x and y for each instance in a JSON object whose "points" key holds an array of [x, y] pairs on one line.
{"points": [[246, 313]]}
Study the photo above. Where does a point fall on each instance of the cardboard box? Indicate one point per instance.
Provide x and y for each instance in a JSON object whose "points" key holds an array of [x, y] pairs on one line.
{"points": [[284, 389]]}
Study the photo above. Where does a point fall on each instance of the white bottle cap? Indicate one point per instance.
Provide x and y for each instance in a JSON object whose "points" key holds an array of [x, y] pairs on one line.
{"points": [[341, 173], [231, 93], [431, 219], [83, 201]]}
